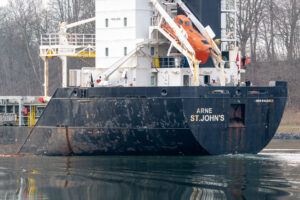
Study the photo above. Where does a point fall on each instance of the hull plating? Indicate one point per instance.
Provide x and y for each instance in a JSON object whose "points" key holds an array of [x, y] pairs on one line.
{"points": [[152, 121]]}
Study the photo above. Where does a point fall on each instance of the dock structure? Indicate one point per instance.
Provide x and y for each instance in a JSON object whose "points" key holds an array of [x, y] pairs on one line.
{"points": [[64, 45], [20, 110]]}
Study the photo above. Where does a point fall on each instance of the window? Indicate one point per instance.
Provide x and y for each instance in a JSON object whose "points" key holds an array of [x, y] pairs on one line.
{"points": [[187, 23], [180, 22], [204, 42], [152, 51], [206, 79], [153, 80], [106, 52], [225, 57], [125, 21], [106, 22], [125, 51]]}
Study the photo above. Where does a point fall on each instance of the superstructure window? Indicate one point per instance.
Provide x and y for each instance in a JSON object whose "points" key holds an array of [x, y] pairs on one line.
{"points": [[152, 51], [125, 21], [180, 22], [206, 79], [106, 22], [106, 52], [153, 80], [125, 51], [225, 57]]}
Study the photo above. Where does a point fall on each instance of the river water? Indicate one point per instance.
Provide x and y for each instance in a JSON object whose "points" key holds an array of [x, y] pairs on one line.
{"points": [[272, 174]]}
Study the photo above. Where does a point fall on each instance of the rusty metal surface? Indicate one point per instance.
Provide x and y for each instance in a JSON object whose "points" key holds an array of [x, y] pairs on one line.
{"points": [[147, 121], [263, 112], [11, 138]]}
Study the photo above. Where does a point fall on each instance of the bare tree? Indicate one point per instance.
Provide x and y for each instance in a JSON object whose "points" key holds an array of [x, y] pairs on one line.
{"points": [[258, 15], [24, 15], [248, 15], [21, 25], [289, 16], [72, 11]]}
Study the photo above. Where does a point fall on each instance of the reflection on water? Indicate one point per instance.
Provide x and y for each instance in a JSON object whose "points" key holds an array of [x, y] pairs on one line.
{"points": [[269, 175]]}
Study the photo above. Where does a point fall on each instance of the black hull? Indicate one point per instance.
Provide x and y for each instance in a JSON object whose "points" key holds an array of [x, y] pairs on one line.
{"points": [[152, 121]]}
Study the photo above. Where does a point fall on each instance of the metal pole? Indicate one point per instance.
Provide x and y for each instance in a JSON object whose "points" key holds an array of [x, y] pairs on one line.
{"points": [[20, 112], [235, 23], [64, 71], [223, 25], [46, 78], [30, 116]]}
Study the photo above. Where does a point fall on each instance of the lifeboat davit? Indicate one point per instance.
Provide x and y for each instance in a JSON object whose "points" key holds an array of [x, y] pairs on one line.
{"points": [[200, 45]]}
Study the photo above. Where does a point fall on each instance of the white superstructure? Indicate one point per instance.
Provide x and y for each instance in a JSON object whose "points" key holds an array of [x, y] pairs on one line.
{"points": [[132, 48], [122, 29]]}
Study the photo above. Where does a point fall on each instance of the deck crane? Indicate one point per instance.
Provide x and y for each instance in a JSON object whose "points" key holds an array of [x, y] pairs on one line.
{"points": [[181, 43], [104, 76], [64, 45]]}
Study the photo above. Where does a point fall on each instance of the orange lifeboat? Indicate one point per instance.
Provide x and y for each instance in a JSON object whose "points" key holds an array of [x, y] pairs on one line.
{"points": [[200, 45]]}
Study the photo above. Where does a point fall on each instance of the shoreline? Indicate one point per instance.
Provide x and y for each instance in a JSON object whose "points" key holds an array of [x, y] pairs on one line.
{"points": [[287, 136]]}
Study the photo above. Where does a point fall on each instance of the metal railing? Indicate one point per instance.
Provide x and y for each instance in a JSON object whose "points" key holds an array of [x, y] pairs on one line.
{"points": [[12, 116], [55, 39]]}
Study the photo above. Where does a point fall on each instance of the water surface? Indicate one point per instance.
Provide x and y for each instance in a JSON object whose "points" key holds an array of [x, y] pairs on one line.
{"points": [[273, 174]]}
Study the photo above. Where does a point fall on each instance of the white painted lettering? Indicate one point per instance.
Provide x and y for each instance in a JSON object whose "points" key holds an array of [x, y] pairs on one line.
{"points": [[192, 118], [222, 118], [206, 115]]}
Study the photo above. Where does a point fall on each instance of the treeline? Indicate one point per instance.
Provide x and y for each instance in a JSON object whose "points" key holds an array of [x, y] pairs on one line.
{"points": [[269, 30], [269, 33], [22, 22]]}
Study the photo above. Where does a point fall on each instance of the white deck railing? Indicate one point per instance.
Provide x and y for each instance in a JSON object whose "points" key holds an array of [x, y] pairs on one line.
{"points": [[79, 45], [54, 39]]}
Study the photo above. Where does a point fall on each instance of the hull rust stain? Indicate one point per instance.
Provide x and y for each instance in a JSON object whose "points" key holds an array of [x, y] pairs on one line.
{"points": [[147, 121]]}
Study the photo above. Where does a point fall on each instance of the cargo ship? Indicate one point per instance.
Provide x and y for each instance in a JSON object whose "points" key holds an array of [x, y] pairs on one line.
{"points": [[163, 85]]}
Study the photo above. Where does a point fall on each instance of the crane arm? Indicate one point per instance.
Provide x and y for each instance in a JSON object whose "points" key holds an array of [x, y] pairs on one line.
{"points": [[81, 22], [106, 74], [216, 53], [63, 26]]}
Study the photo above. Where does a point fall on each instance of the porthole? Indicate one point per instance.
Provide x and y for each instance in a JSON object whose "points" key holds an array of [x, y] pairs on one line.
{"points": [[164, 92], [75, 93], [238, 92]]}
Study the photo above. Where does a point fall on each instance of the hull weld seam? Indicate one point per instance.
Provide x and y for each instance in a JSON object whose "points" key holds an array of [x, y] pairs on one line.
{"points": [[20, 149]]}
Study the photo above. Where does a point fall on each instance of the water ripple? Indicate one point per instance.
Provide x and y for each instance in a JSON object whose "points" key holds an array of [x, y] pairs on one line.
{"points": [[269, 175]]}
